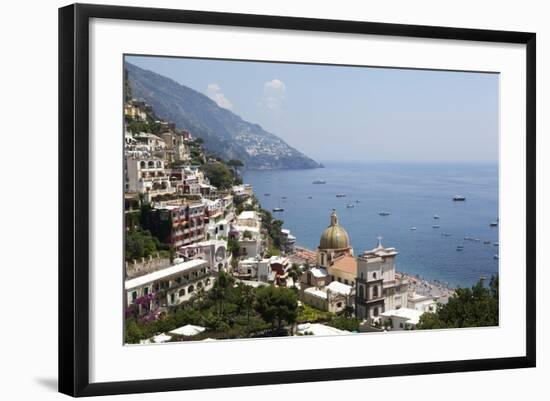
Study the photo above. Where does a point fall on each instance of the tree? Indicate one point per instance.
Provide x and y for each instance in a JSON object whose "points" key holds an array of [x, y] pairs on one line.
{"points": [[218, 174], [468, 307], [221, 288], [277, 305]]}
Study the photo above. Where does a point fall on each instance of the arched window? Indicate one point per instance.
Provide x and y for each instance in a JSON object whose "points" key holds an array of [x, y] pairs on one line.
{"points": [[159, 164], [190, 289], [207, 281], [151, 164], [142, 164], [199, 284], [375, 312], [375, 292], [182, 292], [374, 275]]}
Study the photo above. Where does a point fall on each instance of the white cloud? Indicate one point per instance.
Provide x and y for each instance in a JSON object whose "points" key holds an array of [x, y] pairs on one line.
{"points": [[273, 94], [214, 92]]}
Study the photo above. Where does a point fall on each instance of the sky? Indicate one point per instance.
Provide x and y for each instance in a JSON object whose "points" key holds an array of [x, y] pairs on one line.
{"points": [[354, 113]]}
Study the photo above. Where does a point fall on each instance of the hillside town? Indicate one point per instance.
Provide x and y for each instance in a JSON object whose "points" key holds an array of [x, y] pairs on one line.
{"points": [[204, 261]]}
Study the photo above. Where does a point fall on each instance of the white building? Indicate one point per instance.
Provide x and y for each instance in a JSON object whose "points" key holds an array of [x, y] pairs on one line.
{"points": [[334, 297], [423, 303], [175, 284], [402, 318], [255, 268], [147, 176], [249, 218], [378, 288]]}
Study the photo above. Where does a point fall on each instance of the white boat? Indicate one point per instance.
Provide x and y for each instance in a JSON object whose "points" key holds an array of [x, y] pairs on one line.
{"points": [[493, 223], [278, 209], [436, 217], [413, 228], [460, 247], [445, 234], [319, 182], [459, 198], [384, 213], [435, 226], [350, 205], [340, 195], [495, 257]]}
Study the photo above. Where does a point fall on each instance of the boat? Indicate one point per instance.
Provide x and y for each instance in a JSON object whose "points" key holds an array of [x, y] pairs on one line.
{"points": [[495, 257], [436, 217], [319, 182], [357, 201], [445, 234], [340, 195], [468, 239], [495, 244], [384, 213], [267, 194], [460, 247], [493, 224], [435, 226], [310, 197], [350, 205], [486, 242], [459, 198], [278, 209], [413, 228], [283, 197]]}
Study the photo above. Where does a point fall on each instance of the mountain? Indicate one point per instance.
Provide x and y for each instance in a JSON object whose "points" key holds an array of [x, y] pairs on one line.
{"points": [[224, 133]]}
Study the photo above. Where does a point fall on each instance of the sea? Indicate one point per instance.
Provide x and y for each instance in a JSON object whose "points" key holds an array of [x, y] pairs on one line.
{"points": [[412, 194]]}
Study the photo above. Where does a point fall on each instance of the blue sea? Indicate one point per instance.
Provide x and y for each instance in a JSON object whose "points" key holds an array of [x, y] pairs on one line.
{"points": [[412, 193]]}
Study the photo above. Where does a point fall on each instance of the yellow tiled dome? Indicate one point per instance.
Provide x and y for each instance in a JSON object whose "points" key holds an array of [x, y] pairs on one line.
{"points": [[334, 236]]}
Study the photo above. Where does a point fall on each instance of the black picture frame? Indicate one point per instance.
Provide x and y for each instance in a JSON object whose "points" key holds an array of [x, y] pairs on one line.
{"points": [[74, 198]]}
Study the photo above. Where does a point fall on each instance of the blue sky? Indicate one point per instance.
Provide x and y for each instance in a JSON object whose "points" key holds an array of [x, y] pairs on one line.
{"points": [[353, 113]]}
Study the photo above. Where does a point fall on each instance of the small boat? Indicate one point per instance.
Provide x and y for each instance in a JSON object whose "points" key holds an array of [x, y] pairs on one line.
{"points": [[319, 182], [267, 194], [495, 244], [413, 228], [283, 197], [436, 217], [460, 247], [459, 198], [384, 213], [435, 226], [445, 234], [310, 197], [278, 209], [486, 242], [357, 201], [350, 205], [468, 239], [476, 240], [340, 195], [493, 224], [495, 257]]}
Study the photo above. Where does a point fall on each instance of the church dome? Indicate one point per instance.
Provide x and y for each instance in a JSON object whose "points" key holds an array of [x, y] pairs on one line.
{"points": [[334, 236]]}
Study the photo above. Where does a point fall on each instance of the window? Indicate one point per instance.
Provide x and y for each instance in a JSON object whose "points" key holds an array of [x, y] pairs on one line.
{"points": [[375, 292], [190, 289], [146, 291], [375, 312], [362, 276], [401, 325], [361, 292], [374, 275], [134, 295], [182, 292], [172, 298], [339, 305], [207, 281], [199, 284], [346, 281], [142, 164]]}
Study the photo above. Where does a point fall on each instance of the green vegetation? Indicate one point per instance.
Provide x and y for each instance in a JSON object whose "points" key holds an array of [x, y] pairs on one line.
{"points": [[468, 307], [273, 228], [345, 323], [227, 311], [140, 243], [310, 314], [219, 175]]}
